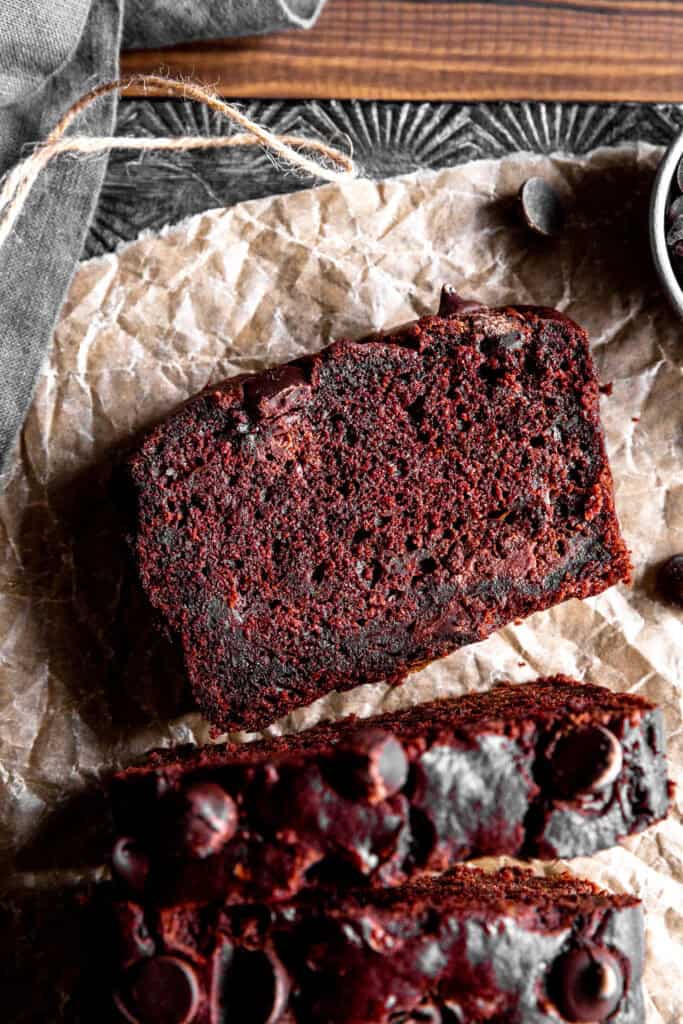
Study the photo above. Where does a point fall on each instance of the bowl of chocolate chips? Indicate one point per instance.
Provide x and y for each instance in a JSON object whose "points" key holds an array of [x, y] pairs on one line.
{"points": [[666, 223]]}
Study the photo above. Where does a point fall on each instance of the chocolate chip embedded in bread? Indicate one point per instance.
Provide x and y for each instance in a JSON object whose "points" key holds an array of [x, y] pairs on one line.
{"points": [[372, 765], [255, 988], [584, 760], [161, 990], [425, 1013], [208, 819], [278, 391], [586, 984], [135, 941], [130, 863]]}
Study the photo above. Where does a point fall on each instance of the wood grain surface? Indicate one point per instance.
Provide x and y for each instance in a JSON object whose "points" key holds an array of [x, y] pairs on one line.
{"points": [[409, 49]]}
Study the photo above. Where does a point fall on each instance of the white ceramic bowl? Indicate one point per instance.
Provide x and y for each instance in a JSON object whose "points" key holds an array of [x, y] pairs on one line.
{"points": [[661, 193]]}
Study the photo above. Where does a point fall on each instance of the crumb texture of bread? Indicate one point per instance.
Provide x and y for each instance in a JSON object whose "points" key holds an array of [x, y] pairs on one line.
{"points": [[545, 769], [504, 948], [350, 516]]}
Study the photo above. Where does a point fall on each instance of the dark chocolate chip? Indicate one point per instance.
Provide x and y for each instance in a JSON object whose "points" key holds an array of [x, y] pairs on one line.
{"points": [[426, 1013], [208, 819], [675, 232], [277, 391], [135, 941], [255, 987], [586, 984], [162, 990], [675, 210], [584, 759], [452, 304], [130, 863], [541, 206], [670, 579], [372, 765]]}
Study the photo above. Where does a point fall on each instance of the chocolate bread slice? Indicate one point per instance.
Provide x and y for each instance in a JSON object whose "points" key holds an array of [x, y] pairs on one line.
{"points": [[357, 513], [550, 769], [465, 948]]}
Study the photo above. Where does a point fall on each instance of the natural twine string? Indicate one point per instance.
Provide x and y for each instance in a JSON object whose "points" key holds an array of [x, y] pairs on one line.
{"points": [[21, 179]]}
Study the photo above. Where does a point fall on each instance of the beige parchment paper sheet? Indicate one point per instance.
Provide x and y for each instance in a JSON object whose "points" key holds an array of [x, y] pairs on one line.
{"points": [[86, 685]]}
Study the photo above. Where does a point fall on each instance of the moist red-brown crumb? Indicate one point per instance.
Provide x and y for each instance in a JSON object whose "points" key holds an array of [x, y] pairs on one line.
{"points": [[357, 513], [504, 948], [551, 768]]}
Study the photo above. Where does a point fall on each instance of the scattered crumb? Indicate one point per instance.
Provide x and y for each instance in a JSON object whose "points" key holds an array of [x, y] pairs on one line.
{"points": [[636, 419], [606, 389]]}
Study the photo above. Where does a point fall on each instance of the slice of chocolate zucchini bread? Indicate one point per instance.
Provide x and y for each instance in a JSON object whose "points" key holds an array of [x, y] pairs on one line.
{"points": [[357, 513], [550, 768], [464, 948]]}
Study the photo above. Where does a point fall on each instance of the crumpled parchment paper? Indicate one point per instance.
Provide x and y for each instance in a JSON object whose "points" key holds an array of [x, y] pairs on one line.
{"points": [[86, 684]]}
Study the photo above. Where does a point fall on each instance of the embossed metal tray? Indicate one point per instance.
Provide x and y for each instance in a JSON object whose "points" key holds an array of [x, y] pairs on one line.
{"points": [[155, 189]]}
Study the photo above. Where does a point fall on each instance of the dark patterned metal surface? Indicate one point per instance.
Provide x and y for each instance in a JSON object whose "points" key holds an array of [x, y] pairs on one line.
{"points": [[151, 190]]}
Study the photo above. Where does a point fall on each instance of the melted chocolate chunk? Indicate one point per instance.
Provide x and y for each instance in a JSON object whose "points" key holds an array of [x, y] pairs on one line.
{"points": [[130, 863], [161, 990], [585, 760], [255, 987], [278, 391], [208, 819], [373, 766], [587, 984], [671, 579], [452, 304]]}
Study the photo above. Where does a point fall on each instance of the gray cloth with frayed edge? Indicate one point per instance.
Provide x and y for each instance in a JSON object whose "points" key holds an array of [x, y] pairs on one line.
{"points": [[51, 52], [166, 22]]}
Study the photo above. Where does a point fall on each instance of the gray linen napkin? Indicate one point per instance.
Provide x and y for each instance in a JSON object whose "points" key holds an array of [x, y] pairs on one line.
{"points": [[166, 22], [51, 52]]}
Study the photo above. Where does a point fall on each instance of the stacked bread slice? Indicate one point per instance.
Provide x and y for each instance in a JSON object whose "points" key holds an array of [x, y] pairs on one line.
{"points": [[340, 520]]}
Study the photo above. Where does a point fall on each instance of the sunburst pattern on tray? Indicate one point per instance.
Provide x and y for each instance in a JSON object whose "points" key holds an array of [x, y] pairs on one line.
{"points": [[155, 189]]}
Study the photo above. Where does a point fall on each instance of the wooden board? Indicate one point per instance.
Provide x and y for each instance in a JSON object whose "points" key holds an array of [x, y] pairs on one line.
{"points": [[408, 49]]}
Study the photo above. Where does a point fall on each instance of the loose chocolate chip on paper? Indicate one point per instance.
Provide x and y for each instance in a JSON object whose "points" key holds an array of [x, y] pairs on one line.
{"points": [[208, 819], [541, 207], [586, 984], [584, 760], [670, 578], [162, 990]]}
